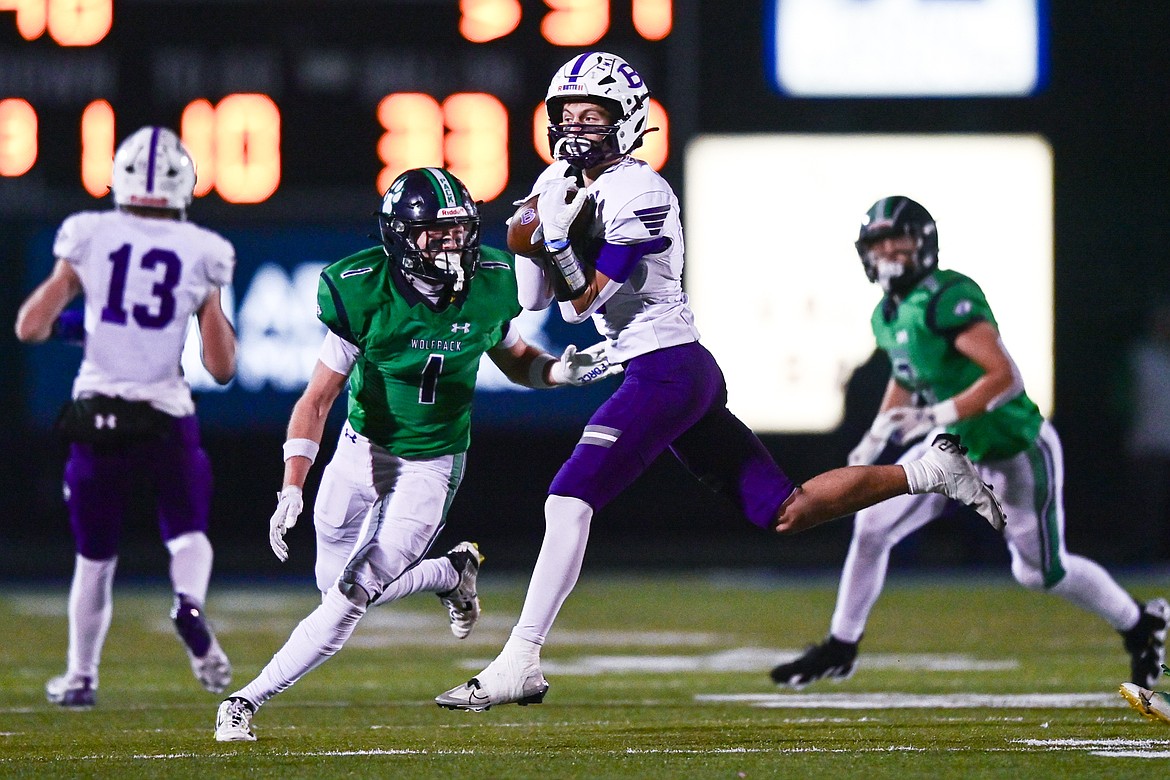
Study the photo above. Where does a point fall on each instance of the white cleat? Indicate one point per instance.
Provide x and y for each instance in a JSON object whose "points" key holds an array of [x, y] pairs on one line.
{"points": [[1155, 705], [72, 692], [506, 680], [462, 601], [959, 479], [233, 721], [214, 670]]}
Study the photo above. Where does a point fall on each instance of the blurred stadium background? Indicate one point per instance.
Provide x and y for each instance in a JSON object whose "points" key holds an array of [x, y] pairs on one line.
{"points": [[298, 112]]}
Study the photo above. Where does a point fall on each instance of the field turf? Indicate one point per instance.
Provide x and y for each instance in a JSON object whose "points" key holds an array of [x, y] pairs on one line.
{"points": [[662, 676]]}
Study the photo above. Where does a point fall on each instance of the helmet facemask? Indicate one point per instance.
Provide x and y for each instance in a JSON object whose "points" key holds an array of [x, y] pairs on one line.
{"points": [[891, 275]]}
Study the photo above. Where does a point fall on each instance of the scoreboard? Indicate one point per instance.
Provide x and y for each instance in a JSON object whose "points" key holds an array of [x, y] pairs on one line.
{"points": [[282, 101]]}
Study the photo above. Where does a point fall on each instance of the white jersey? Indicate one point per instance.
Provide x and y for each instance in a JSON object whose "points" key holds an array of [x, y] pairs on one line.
{"points": [[650, 311], [143, 278]]}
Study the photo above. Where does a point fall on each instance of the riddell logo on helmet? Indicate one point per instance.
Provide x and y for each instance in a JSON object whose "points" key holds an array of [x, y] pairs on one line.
{"points": [[451, 211], [571, 88]]}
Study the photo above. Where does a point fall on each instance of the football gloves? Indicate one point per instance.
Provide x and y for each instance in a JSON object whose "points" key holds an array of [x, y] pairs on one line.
{"points": [[289, 504], [900, 425], [556, 215], [583, 367]]}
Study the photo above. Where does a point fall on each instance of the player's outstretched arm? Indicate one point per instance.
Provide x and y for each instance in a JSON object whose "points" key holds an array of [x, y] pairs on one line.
{"points": [[530, 366], [219, 339], [34, 320]]}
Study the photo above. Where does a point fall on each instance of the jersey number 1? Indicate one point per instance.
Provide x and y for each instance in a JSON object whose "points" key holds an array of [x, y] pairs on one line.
{"points": [[430, 379]]}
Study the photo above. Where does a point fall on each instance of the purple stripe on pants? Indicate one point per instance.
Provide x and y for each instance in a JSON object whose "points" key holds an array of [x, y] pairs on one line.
{"points": [[676, 399], [99, 482]]}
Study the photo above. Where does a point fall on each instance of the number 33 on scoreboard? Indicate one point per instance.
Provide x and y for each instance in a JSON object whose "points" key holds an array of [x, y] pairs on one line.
{"points": [[468, 134]]}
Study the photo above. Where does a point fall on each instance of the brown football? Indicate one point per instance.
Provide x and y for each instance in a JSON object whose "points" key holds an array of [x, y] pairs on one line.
{"points": [[523, 238]]}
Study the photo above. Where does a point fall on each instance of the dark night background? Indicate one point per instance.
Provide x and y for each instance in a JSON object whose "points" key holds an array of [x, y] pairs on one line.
{"points": [[1104, 111]]}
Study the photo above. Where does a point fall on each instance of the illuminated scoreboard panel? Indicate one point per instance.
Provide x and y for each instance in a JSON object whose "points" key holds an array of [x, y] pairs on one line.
{"points": [[270, 95]]}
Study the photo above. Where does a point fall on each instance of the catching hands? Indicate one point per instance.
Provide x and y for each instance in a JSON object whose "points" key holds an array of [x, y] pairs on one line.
{"points": [[557, 211], [583, 367], [290, 502]]}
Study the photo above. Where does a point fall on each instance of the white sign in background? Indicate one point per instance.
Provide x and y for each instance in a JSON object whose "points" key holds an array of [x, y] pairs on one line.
{"points": [[862, 48], [778, 290]]}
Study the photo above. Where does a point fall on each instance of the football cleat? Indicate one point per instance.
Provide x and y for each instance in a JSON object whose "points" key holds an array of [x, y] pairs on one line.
{"points": [[959, 479], [209, 663], [1146, 644], [233, 721], [832, 659], [77, 693], [1155, 705], [462, 602], [506, 680]]}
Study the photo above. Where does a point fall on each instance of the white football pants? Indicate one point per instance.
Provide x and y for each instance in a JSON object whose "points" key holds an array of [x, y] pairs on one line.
{"points": [[374, 549], [1030, 486]]}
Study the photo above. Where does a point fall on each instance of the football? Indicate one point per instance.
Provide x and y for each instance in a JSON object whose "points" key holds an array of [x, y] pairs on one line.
{"points": [[525, 237]]}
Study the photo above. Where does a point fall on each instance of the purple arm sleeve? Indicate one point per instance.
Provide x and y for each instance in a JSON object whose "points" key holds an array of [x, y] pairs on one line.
{"points": [[617, 261]]}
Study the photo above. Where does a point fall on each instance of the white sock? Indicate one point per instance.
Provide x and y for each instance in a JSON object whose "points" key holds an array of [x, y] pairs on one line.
{"points": [[318, 637], [923, 477], [434, 575], [91, 605], [1090, 587], [557, 567], [862, 579], [191, 558]]}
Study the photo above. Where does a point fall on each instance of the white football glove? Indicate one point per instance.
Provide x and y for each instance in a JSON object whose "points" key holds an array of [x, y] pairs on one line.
{"points": [[870, 448], [583, 367], [914, 422], [555, 214], [289, 504]]}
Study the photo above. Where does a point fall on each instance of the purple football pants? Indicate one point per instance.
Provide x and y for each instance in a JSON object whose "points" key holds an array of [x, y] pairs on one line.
{"points": [[676, 399], [100, 480]]}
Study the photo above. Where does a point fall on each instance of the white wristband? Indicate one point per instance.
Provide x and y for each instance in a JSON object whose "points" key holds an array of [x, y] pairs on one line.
{"points": [[306, 448], [945, 412], [536, 372]]}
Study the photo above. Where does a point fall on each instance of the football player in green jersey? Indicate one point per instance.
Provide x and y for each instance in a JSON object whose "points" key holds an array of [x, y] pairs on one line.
{"points": [[408, 323], [950, 370]]}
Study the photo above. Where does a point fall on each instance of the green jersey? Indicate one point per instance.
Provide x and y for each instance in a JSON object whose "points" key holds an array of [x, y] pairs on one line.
{"points": [[919, 336], [411, 386]]}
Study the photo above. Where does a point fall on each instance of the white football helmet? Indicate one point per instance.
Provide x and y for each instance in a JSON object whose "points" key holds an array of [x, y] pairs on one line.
{"points": [[153, 169], [611, 81]]}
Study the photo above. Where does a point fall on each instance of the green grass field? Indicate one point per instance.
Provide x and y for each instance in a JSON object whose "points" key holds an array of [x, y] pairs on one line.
{"points": [[651, 677]]}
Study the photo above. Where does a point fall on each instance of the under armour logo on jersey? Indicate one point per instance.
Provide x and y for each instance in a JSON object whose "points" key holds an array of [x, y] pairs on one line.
{"points": [[105, 421], [461, 327], [347, 433], [653, 218]]}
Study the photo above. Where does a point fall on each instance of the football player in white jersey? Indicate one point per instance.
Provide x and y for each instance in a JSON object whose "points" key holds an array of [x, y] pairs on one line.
{"points": [[674, 396], [143, 271]]}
